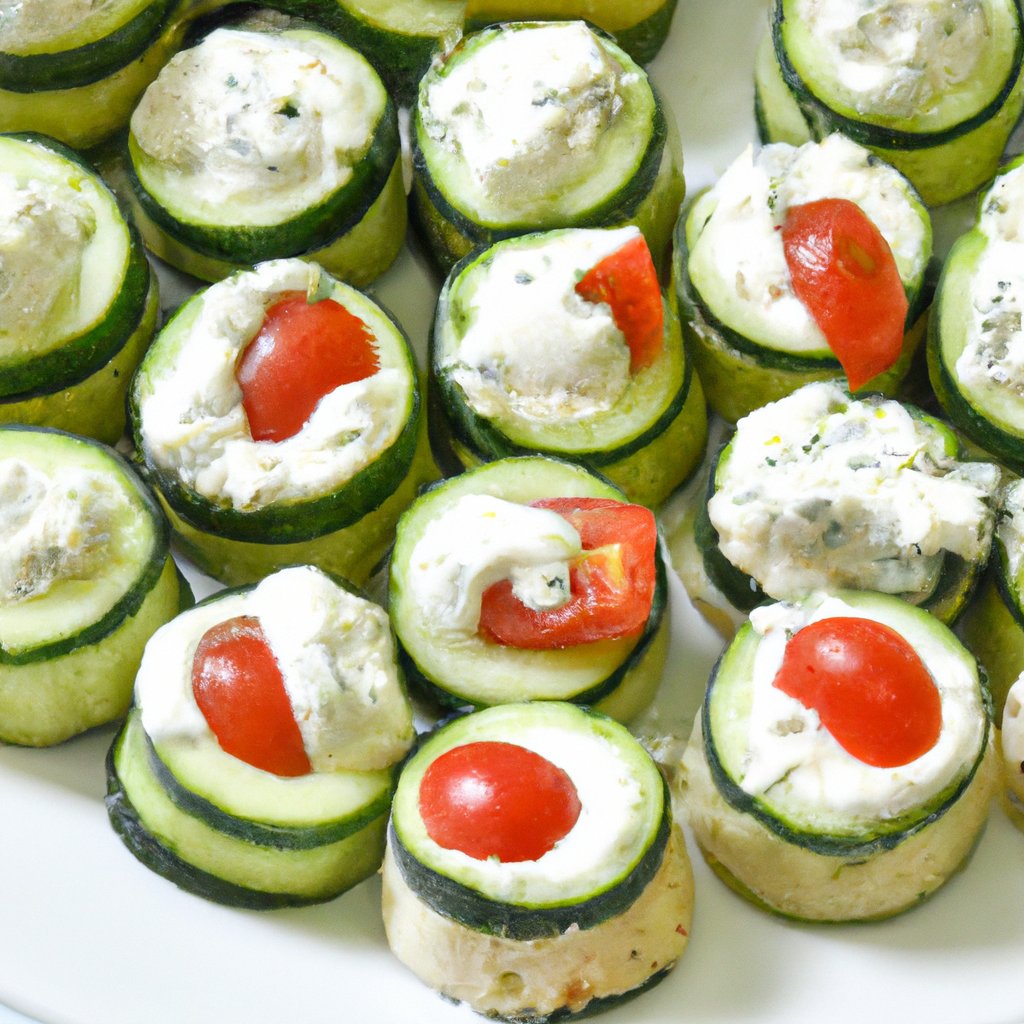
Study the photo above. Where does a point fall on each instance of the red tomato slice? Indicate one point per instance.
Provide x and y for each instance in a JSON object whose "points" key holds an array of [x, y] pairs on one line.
{"points": [[492, 799], [870, 688], [239, 689], [302, 352], [627, 281], [843, 271], [611, 583]]}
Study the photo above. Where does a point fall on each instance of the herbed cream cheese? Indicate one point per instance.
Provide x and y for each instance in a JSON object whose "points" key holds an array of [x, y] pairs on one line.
{"points": [[532, 347], [27, 25], [821, 491], [1010, 528], [793, 760], [526, 111], [53, 527], [336, 656], [740, 248], [194, 425], [261, 121]]}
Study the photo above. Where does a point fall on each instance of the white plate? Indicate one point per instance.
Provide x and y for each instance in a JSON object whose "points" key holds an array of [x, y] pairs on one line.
{"points": [[89, 936]]}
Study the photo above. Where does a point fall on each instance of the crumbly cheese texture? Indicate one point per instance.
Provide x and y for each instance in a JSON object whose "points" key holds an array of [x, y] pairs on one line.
{"points": [[821, 492], [480, 540], [897, 58], [44, 230], [336, 656], [1010, 527], [795, 761], [740, 245], [194, 424], [260, 118], [533, 348], [53, 527], [525, 113], [25, 24]]}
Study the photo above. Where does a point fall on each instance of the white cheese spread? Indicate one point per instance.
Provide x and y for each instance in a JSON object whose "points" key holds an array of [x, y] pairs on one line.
{"points": [[480, 540], [739, 251], [532, 347], [28, 25], [336, 656], [272, 123], [793, 759], [820, 492], [194, 425], [1010, 527]]}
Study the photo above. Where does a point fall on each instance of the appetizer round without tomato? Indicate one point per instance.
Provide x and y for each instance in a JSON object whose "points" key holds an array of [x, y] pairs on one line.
{"points": [[933, 88], [530, 579], [79, 303], [821, 491], [264, 140], [533, 868], [799, 264], [256, 767], [842, 767], [562, 343], [278, 415], [529, 126], [74, 69], [85, 578]]}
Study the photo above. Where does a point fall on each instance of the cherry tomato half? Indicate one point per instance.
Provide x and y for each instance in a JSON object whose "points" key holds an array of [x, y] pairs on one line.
{"points": [[611, 582], [303, 351], [870, 688], [843, 271], [239, 689], [493, 799]]}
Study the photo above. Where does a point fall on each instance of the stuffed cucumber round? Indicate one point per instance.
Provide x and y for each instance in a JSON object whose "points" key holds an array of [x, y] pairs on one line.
{"points": [[257, 764], [85, 578], [1011, 748], [530, 579], [843, 764], [267, 140], [561, 342], [278, 417], [934, 89], [529, 126], [562, 885], [760, 315]]}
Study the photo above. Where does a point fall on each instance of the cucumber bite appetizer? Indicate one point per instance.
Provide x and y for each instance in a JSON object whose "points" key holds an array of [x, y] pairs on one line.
{"points": [[933, 88], [802, 263], [975, 341], [842, 767], [86, 577], [79, 303], [530, 579], [561, 342], [1011, 746], [528, 126], [278, 417], [820, 491], [74, 69], [533, 870], [267, 139], [256, 766]]}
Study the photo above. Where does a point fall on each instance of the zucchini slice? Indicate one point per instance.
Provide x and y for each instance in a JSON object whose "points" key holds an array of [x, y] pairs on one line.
{"points": [[80, 305], [457, 666], [812, 494], [86, 577], [521, 363], [332, 493], [933, 89], [789, 817], [753, 340], [550, 931], [472, 187], [75, 71], [263, 142], [226, 829]]}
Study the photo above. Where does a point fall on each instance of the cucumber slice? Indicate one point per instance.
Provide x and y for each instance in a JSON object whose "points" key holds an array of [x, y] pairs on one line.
{"points": [[647, 441], [835, 853], [619, 677]]}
